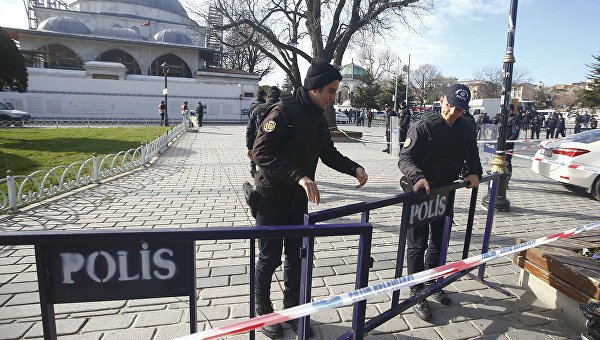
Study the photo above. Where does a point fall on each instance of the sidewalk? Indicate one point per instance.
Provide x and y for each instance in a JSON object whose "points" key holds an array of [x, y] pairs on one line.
{"points": [[197, 182]]}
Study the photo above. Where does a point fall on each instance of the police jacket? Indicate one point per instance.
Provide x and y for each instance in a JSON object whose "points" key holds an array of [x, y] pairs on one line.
{"points": [[551, 122], [560, 123], [290, 142], [259, 101], [437, 152], [254, 121]]}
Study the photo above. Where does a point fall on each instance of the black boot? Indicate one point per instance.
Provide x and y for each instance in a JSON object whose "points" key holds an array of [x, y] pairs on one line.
{"points": [[421, 309], [264, 306]]}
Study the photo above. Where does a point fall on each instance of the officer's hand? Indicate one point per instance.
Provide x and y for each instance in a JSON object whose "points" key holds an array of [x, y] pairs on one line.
{"points": [[250, 155], [422, 184], [361, 176], [473, 181], [312, 192]]}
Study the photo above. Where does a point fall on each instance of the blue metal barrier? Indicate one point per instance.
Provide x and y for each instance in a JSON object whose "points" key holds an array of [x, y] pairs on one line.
{"points": [[61, 255], [359, 326]]}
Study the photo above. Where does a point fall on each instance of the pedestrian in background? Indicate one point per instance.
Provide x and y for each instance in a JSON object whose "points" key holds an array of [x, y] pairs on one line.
{"points": [[560, 126], [577, 128], [389, 113], [162, 110], [256, 117], [536, 126], [433, 155], [200, 113], [551, 125], [291, 140]]}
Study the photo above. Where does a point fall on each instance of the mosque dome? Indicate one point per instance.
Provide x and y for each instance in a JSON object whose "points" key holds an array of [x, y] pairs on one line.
{"points": [[118, 32], [172, 6], [173, 36], [352, 71], [64, 25]]}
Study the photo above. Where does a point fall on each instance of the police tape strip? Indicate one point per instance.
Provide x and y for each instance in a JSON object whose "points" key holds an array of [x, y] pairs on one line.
{"points": [[560, 163], [517, 141], [392, 285], [362, 140]]}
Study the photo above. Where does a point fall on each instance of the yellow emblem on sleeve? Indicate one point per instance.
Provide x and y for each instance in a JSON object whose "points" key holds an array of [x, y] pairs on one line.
{"points": [[407, 142], [269, 126]]}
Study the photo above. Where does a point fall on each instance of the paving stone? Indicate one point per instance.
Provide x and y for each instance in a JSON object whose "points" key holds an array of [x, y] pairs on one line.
{"points": [[427, 334], [128, 334], [494, 325], [108, 322], [173, 331], [519, 334], [158, 318], [63, 327], [14, 330], [455, 331], [19, 312]]}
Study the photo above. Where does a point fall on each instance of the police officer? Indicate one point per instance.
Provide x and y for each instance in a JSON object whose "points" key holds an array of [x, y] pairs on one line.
{"points": [[433, 155], [251, 128], [388, 129], [200, 113], [536, 125], [290, 142], [254, 123], [404, 122], [262, 98]]}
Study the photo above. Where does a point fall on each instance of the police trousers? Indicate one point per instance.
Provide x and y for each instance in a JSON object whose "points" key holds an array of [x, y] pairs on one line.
{"points": [[417, 242], [271, 212]]}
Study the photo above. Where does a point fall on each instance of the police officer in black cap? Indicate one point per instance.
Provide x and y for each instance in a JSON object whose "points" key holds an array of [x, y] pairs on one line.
{"points": [[434, 152], [290, 142]]}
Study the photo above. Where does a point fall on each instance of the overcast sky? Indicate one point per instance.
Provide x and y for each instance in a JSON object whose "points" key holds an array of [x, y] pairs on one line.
{"points": [[554, 38]]}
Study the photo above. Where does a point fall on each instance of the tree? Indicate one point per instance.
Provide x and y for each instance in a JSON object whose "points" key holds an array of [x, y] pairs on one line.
{"points": [[329, 25], [422, 81], [492, 77], [287, 88], [388, 90], [13, 73], [243, 54], [365, 96], [590, 97]]}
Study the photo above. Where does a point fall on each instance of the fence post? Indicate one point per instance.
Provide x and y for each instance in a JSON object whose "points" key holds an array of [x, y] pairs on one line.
{"points": [[95, 170], [142, 154], [12, 190]]}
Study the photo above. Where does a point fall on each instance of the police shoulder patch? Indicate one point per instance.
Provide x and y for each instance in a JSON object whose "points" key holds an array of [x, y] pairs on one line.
{"points": [[407, 142], [269, 126]]}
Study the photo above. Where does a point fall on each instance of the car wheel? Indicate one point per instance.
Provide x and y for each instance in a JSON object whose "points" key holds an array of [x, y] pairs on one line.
{"points": [[596, 188]]}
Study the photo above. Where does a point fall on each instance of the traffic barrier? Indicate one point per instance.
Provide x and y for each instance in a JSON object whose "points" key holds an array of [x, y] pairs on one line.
{"points": [[391, 285]]}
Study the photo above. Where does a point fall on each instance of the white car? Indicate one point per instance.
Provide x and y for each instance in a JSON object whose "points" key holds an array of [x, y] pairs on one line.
{"points": [[582, 148], [341, 118]]}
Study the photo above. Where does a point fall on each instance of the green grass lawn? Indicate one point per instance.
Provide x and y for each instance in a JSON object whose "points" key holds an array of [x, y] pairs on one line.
{"points": [[26, 150]]}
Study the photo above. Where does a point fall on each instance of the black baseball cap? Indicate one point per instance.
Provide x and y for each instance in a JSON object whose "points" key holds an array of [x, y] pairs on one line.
{"points": [[458, 95]]}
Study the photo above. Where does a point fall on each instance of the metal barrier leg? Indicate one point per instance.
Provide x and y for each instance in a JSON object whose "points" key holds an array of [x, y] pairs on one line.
{"points": [[470, 220], [488, 226], [47, 308], [252, 282], [192, 297], [362, 280], [308, 248]]}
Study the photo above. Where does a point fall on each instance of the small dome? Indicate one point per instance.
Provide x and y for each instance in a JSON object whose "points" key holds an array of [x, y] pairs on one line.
{"points": [[352, 71], [119, 33], [173, 36], [64, 25]]}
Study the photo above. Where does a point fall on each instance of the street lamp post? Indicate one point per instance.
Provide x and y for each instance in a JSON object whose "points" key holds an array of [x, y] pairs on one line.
{"points": [[165, 68], [499, 163]]}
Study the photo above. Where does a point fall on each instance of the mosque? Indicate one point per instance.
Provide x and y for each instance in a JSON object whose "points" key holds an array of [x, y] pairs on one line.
{"points": [[99, 59]]}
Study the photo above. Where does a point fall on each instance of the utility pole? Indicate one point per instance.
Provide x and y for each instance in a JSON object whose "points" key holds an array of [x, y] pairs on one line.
{"points": [[407, 79], [499, 163], [396, 88]]}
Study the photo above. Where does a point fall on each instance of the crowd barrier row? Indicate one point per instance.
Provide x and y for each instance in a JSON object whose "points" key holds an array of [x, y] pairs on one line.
{"points": [[380, 288], [92, 265]]}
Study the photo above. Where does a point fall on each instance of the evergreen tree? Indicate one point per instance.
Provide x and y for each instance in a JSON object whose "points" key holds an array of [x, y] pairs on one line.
{"points": [[590, 97], [287, 88], [365, 96], [13, 73]]}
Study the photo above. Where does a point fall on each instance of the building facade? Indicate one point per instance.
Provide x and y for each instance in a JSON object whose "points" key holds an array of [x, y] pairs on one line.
{"points": [[107, 59]]}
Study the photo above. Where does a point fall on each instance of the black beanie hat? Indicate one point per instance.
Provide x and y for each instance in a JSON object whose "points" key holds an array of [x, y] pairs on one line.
{"points": [[320, 73], [274, 92]]}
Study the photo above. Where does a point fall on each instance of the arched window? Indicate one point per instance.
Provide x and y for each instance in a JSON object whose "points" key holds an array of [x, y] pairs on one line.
{"points": [[120, 56], [58, 56], [344, 95], [177, 67]]}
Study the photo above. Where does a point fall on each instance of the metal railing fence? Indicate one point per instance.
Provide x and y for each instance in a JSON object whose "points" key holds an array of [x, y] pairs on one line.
{"points": [[19, 190]]}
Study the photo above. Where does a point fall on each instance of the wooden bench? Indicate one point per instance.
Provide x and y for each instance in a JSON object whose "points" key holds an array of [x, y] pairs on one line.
{"points": [[561, 266]]}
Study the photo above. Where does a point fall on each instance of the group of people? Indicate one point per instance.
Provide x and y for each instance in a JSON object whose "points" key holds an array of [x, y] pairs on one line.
{"points": [[287, 136], [185, 113], [555, 124]]}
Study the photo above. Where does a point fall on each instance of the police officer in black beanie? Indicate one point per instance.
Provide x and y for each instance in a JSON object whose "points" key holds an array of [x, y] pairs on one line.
{"points": [[291, 140]]}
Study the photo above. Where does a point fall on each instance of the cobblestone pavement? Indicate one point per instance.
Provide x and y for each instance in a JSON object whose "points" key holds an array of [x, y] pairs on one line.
{"points": [[197, 182]]}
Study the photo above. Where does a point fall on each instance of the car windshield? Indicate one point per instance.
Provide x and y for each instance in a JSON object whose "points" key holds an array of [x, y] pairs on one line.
{"points": [[586, 137], [3, 107]]}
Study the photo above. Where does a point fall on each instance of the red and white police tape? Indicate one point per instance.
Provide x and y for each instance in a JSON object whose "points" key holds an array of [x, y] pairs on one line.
{"points": [[392, 285], [570, 165]]}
